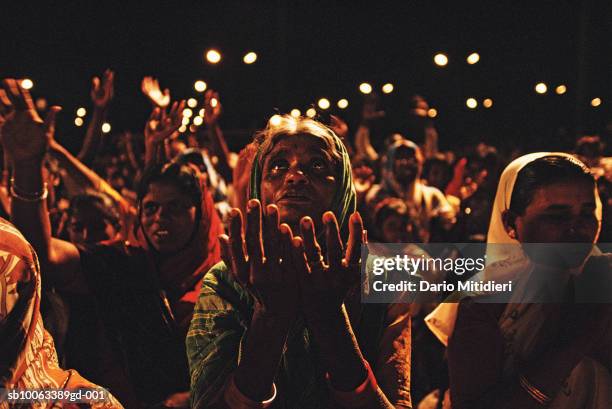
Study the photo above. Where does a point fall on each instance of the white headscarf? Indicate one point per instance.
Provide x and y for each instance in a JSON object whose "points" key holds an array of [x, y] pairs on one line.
{"points": [[502, 262]]}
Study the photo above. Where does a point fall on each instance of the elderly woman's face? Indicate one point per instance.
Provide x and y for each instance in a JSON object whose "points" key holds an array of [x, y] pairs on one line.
{"points": [[299, 177]]}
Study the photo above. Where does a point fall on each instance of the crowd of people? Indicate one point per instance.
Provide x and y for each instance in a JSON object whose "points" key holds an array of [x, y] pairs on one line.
{"points": [[176, 273]]}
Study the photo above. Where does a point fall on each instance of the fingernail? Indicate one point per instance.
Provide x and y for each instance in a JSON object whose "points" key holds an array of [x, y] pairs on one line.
{"points": [[306, 222], [252, 203], [284, 229], [328, 217]]}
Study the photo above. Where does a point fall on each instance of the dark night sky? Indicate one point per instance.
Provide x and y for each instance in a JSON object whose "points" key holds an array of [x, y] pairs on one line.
{"points": [[308, 50]]}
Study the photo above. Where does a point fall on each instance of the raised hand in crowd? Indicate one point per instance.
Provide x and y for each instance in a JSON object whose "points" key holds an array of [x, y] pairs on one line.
{"points": [[217, 146], [369, 113], [160, 126], [25, 136], [150, 87], [212, 107], [102, 91]]}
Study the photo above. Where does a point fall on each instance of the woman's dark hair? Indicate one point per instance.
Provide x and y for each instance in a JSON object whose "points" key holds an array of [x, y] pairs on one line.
{"points": [[96, 203], [183, 177], [542, 172]]}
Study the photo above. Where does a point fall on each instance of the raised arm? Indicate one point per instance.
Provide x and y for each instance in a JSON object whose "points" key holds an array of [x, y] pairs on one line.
{"points": [[101, 95], [25, 138], [363, 145], [242, 368], [325, 283], [212, 112], [161, 126]]}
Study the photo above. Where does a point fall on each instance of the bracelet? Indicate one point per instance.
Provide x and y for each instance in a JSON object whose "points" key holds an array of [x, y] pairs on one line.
{"points": [[28, 196], [237, 400], [534, 392], [358, 397]]}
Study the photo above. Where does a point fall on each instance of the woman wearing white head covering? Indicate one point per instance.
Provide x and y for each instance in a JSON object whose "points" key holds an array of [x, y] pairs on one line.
{"points": [[530, 355]]}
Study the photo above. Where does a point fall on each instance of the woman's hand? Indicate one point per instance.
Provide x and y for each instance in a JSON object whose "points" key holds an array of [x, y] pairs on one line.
{"points": [[150, 87], [212, 107], [25, 136], [326, 281], [161, 125], [102, 90], [265, 269]]}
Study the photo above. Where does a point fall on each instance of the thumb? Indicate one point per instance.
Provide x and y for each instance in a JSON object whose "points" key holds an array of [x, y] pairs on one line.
{"points": [[50, 119]]}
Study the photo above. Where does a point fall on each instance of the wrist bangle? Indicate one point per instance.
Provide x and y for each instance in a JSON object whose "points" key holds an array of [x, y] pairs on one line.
{"points": [[534, 392], [17, 193], [237, 400], [359, 397]]}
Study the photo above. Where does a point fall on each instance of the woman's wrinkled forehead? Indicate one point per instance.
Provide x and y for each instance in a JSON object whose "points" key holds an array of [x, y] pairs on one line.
{"points": [[274, 145]]}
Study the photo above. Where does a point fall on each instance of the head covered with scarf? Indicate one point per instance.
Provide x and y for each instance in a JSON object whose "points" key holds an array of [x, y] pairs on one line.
{"points": [[28, 359], [505, 258], [182, 271]]}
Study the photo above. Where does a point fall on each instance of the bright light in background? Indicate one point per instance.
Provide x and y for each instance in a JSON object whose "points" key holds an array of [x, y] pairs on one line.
{"points": [[213, 56], [197, 121], [106, 127], [192, 128], [27, 83], [185, 121], [595, 102], [182, 129], [192, 102], [343, 103], [81, 112], [471, 103], [441, 59], [365, 88], [201, 113], [432, 113], [487, 103], [275, 120], [200, 86], [541, 88], [78, 121], [187, 113], [387, 88], [561, 89], [295, 113], [473, 58], [323, 103], [311, 113], [249, 58], [214, 102]]}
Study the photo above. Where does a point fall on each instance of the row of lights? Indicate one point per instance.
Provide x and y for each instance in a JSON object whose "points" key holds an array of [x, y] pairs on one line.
{"points": [[441, 59], [214, 57], [323, 103]]}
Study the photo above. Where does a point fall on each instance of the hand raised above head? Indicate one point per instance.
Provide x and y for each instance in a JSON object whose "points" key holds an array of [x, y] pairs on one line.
{"points": [[260, 260], [25, 136], [212, 107], [162, 125], [150, 87], [102, 90]]}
